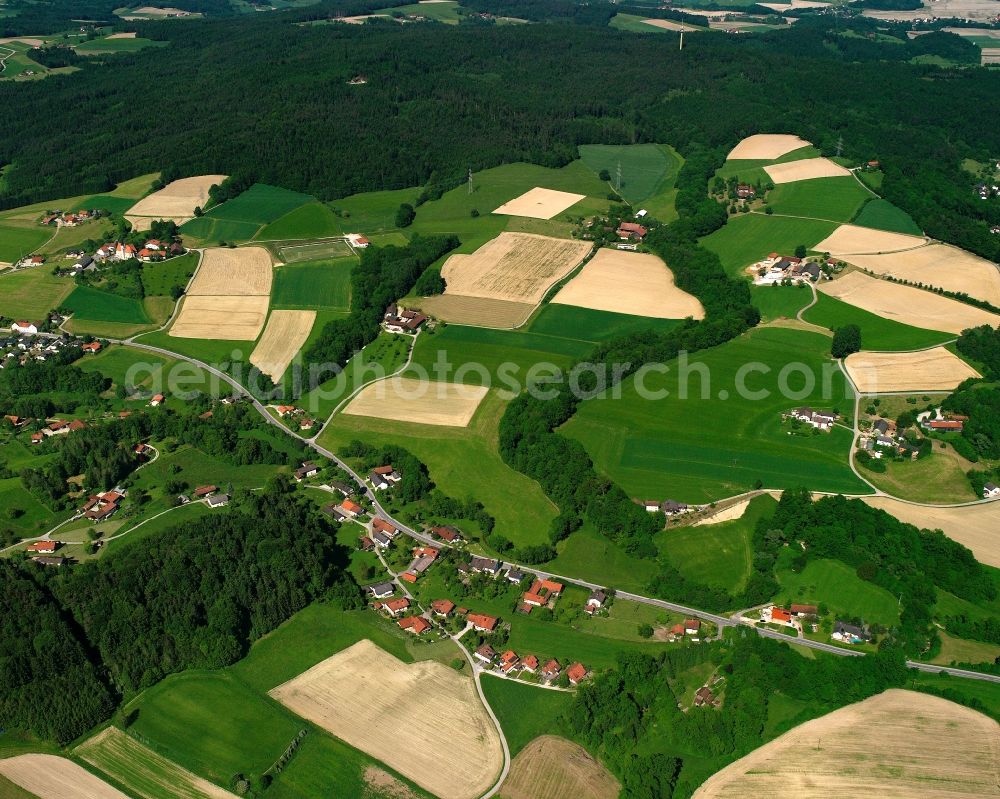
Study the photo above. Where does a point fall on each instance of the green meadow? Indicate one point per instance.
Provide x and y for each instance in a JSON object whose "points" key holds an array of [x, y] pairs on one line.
{"points": [[242, 217], [159, 278], [32, 293], [836, 199], [149, 370], [314, 284], [748, 238], [836, 584], [779, 302], [103, 46], [90, 304], [525, 711], [717, 443], [17, 242], [313, 220], [648, 172], [372, 211], [585, 324], [439, 12], [883, 215], [877, 333]]}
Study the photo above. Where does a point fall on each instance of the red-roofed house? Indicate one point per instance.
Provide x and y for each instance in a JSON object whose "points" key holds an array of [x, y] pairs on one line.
{"points": [[204, 491], [156, 400], [382, 526], [804, 610], [551, 670], [485, 653], [631, 230], [530, 664], [692, 626], [397, 606], [43, 546], [947, 424], [442, 607], [780, 615], [93, 346], [408, 577], [577, 673], [415, 624], [509, 661], [483, 623], [541, 592], [350, 508], [37, 438]]}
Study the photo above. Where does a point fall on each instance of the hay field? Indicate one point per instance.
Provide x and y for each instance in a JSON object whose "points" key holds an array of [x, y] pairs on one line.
{"points": [[54, 777], [283, 337], [233, 272], [142, 770], [418, 401], [928, 370], [630, 283], [805, 169], [941, 266], [176, 200], [225, 318], [519, 267], [905, 304], [973, 526], [794, 5], [477, 311], [763, 146], [554, 768], [539, 203], [896, 744], [422, 719], [855, 240], [670, 25]]}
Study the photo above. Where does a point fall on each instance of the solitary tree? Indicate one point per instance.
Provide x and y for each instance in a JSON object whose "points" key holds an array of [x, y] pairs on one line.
{"points": [[846, 339]]}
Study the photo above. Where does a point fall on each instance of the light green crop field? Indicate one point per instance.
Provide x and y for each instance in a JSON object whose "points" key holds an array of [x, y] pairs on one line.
{"points": [[149, 371], [310, 221], [102, 46], [67, 238], [779, 302], [159, 278], [524, 711], [720, 554], [17, 241], [210, 351], [260, 203], [314, 284], [938, 478], [585, 324], [455, 456], [208, 229], [752, 170], [299, 250], [698, 449], [958, 650], [748, 238], [835, 583], [883, 215], [877, 333], [836, 199], [32, 293], [88, 303], [647, 170]]}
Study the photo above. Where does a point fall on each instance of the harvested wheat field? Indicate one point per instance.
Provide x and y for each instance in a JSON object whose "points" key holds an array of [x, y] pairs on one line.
{"points": [[729, 514], [404, 399], [897, 744], [795, 5], [764, 146], [237, 272], [518, 267], [940, 266], [974, 526], [226, 318], [143, 771], [670, 25], [905, 304], [378, 780], [806, 169], [283, 337], [935, 369], [553, 768], [477, 311], [130, 35], [630, 283], [176, 200], [54, 777], [856, 240], [422, 719], [539, 203]]}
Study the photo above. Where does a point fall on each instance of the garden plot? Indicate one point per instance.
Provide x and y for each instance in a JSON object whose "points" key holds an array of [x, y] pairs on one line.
{"points": [[233, 272], [855, 240], [897, 744], [423, 719], [940, 266], [418, 401], [905, 304], [762, 146], [53, 777], [936, 369], [553, 768], [539, 203], [175, 201], [283, 337], [224, 318], [805, 169], [630, 283]]}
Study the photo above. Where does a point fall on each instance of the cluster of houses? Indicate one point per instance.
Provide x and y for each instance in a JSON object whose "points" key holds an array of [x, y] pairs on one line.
{"points": [[987, 190], [43, 553], [209, 494], [292, 414], [101, 507], [57, 427], [786, 269], [820, 420], [509, 664], [795, 615], [151, 251], [69, 218], [398, 319], [883, 437], [383, 477], [24, 346], [669, 507]]}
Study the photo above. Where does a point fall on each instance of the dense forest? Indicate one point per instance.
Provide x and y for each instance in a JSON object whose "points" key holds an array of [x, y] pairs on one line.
{"points": [[195, 596]]}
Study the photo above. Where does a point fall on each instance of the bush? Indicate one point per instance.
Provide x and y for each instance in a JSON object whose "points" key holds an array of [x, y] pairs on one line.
{"points": [[846, 339], [645, 630], [405, 215]]}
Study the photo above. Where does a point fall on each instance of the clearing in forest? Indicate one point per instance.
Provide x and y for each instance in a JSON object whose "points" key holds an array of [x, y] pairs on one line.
{"points": [[418, 401], [423, 719], [905, 304], [765, 146], [539, 203], [936, 369], [54, 777], [143, 771], [856, 240], [283, 337], [175, 201], [551, 767], [805, 169], [897, 744], [629, 283]]}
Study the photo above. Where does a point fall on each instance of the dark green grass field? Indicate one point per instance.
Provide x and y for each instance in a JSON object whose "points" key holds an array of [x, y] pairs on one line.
{"points": [[777, 302], [837, 199], [95, 305], [746, 239], [159, 278], [644, 167], [314, 284], [584, 324], [310, 221], [883, 215], [261, 204], [210, 229], [876, 333], [524, 711], [720, 554], [697, 449], [102, 46]]}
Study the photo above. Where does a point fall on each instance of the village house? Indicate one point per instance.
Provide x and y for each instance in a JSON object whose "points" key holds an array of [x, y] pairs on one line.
{"points": [[482, 623], [402, 320], [365, 544], [631, 231], [651, 505], [803, 610], [345, 489], [102, 506], [156, 401], [542, 593], [349, 508], [284, 410], [946, 425], [442, 607], [382, 526], [423, 558], [485, 653], [306, 424], [776, 615], [595, 601], [24, 327], [415, 624], [379, 483], [577, 673], [744, 191], [382, 590], [692, 626], [849, 633], [514, 575], [447, 533], [396, 606], [307, 469], [42, 546], [93, 347], [485, 565], [703, 697], [991, 490], [17, 421], [217, 501], [672, 508], [509, 661], [202, 492], [51, 560], [821, 420], [529, 664], [551, 670], [356, 240], [380, 539]]}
